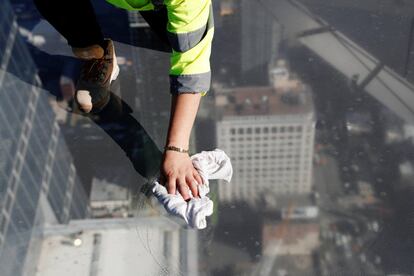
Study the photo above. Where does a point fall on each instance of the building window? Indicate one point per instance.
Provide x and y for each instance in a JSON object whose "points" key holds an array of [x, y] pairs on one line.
{"points": [[13, 182], [3, 225], [26, 130], [8, 202], [21, 146]]}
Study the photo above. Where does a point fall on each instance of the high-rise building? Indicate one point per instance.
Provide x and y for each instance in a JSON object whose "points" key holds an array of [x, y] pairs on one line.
{"points": [[38, 180], [151, 64], [148, 245], [258, 36], [268, 133], [257, 47]]}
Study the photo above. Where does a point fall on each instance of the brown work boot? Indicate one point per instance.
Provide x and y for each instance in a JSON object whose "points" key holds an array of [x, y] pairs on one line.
{"points": [[97, 73], [91, 52]]}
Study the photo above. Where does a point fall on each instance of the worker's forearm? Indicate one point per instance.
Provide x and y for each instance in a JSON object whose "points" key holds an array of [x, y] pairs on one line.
{"points": [[183, 113]]}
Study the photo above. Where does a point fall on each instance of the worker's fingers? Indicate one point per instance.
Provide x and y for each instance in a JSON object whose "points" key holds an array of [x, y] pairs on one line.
{"points": [[171, 185], [197, 177], [192, 184], [183, 188]]}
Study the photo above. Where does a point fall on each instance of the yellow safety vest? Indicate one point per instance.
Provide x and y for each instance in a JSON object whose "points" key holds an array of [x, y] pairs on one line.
{"points": [[190, 32]]}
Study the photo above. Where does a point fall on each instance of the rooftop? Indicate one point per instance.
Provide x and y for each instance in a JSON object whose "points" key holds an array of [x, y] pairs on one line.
{"points": [[99, 248], [265, 100]]}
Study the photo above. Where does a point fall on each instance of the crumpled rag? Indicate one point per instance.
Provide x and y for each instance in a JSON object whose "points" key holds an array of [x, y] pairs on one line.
{"points": [[210, 165]]}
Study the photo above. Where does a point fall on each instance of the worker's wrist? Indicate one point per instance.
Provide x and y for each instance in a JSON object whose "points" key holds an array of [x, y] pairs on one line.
{"points": [[178, 142], [176, 149]]}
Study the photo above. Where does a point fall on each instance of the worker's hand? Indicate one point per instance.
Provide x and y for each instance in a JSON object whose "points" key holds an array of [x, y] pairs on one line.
{"points": [[178, 172]]}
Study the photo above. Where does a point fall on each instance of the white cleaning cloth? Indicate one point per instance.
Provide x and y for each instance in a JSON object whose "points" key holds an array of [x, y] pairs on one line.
{"points": [[210, 165]]}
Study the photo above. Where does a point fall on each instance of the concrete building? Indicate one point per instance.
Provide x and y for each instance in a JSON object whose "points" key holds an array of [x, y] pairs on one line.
{"points": [[268, 133], [257, 35], [38, 181], [259, 41], [135, 246], [109, 199]]}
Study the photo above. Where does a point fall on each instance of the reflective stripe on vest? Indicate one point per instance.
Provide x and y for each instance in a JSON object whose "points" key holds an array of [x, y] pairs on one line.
{"points": [[182, 42], [190, 83]]}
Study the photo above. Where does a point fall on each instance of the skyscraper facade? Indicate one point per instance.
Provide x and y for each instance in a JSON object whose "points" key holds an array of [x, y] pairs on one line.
{"points": [[38, 181], [269, 136], [151, 64]]}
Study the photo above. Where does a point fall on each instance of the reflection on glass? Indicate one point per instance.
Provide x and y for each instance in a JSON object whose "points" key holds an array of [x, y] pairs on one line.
{"points": [[39, 181], [312, 101]]}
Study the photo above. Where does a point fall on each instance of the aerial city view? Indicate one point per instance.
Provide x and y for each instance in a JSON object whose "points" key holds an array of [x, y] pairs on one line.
{"points": [[310, 108]]}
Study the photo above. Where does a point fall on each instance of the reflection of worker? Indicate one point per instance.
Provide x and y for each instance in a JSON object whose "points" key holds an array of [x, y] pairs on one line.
{"points": [[187, 26]]}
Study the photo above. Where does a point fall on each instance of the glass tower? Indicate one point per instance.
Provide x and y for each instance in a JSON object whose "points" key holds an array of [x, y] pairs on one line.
{"points": [[38, 180]]}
